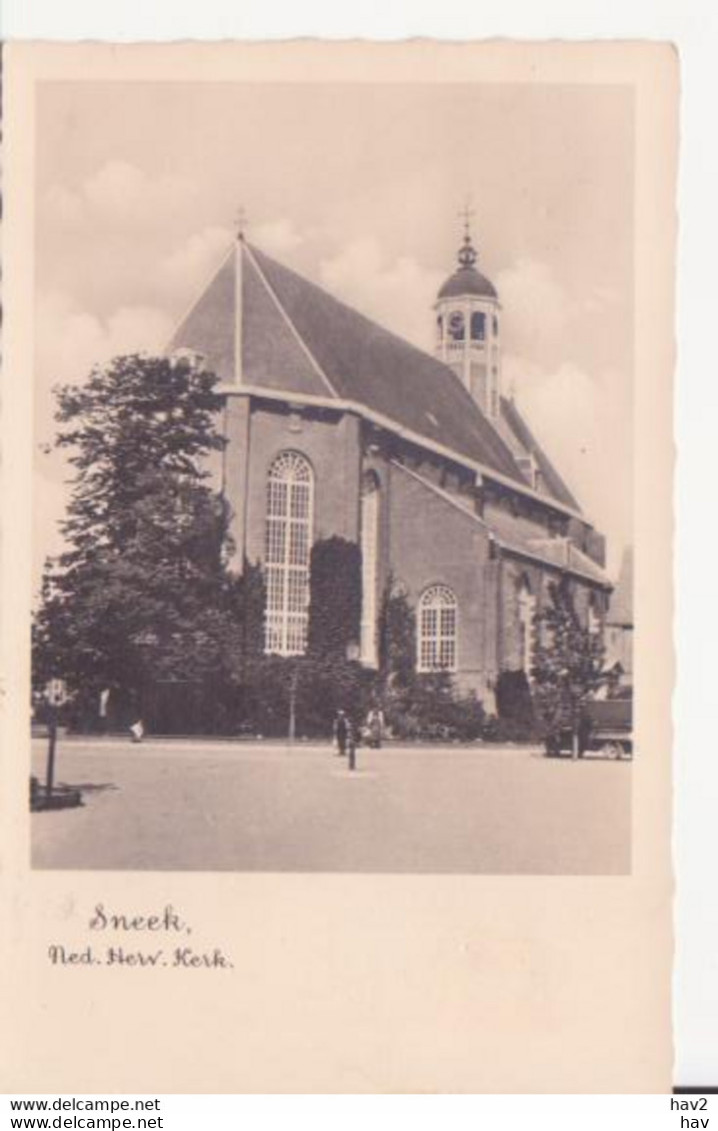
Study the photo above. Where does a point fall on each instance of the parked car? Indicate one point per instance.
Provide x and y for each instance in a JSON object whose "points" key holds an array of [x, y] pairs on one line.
{"points": [[610, 727], [605, 728]]}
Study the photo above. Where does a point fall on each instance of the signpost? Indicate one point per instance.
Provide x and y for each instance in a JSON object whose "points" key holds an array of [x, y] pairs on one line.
{"points": [[56, 694]]}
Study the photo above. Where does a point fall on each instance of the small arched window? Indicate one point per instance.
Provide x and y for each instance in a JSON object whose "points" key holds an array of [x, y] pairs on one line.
{"points": [[478, 326], [438, 630], [456, 326], [288, 542], [527, 610]]}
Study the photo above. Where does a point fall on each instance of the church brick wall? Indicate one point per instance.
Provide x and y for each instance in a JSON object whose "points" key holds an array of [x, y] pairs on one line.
{"points": [[329, 443], [514, 574], [423, 538], [433, 543]]}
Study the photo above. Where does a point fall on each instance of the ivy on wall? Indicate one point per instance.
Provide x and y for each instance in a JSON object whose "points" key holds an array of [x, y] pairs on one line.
{"points": [[397, 635], [334, 598]]}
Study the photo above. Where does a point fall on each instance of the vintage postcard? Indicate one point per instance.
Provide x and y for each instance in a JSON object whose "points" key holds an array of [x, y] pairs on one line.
{"points": [[337, 655]]}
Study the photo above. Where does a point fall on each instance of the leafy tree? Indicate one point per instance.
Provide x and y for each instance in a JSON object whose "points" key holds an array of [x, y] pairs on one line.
{"points": [[142, 588], [567, 665]]}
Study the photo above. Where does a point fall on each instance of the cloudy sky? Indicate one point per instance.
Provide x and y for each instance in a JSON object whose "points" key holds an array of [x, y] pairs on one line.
{"points": [[358, 188]]}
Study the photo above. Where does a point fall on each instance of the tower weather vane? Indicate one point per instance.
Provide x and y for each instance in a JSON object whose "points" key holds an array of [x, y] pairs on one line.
{"points": [[467, 253], [466, 214]]}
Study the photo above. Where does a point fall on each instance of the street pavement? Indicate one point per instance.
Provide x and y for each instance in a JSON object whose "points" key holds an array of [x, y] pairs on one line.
{"points": [[202, 805]]}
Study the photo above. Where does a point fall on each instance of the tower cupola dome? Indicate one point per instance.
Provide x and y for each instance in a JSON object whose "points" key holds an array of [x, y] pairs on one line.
{"points": [[467, 328], [466, 280]]}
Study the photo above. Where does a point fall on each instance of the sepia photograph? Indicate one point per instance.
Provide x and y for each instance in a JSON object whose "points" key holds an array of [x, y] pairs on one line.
{"points": [[333, 477], [337, 656]]}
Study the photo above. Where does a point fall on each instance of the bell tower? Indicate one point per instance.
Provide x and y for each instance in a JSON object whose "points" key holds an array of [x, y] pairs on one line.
{"points": [[468, 327]]}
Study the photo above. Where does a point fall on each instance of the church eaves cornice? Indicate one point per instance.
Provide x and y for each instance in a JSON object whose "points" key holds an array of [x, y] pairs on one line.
{"points": [[527, 552], [388, 425]]}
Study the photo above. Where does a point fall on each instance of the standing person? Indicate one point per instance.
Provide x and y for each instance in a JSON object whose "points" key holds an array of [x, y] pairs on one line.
{"points": [[352, 745], [103, 711], [375, 727], [137, 731], [341, 732]]}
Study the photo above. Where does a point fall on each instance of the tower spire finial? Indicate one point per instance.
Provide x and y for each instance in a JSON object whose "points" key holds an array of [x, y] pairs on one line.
{"points": [[465, 214], [467, 252]]}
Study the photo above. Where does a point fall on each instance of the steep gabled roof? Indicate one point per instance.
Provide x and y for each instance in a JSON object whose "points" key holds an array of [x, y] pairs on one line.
{"points": [[366, 363], [261, 324], [552, 480], [209, 326]]}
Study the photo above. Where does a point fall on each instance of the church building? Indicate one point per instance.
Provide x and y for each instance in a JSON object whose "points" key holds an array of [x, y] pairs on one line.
{"points": [[337, 427]]}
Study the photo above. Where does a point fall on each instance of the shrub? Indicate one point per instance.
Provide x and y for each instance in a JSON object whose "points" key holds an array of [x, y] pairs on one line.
{"points": [[510, 730], [430, 709], [513, 698]]}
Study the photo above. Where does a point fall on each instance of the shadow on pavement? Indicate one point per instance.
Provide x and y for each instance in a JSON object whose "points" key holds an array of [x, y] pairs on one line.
{"points": [[89, 786]]}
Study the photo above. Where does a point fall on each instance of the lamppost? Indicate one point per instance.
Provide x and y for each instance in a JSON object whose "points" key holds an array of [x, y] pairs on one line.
{"points": [[145, 641], [293, 684], [353, 656], [56, 695]]}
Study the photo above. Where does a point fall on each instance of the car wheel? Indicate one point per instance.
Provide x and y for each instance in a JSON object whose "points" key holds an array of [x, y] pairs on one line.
{"points": [[612, 750]]}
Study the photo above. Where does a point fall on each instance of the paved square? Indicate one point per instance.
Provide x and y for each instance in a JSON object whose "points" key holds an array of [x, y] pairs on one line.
{"points": [[218, 806]]}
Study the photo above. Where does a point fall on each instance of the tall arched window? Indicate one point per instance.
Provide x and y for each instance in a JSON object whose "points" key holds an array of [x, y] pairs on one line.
{"points": [[527, 609], [438, 629], [288, 541], [369, 564]]}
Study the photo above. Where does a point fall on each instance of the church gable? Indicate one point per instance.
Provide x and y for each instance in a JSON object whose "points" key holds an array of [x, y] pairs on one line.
{"points": [[272, 355], [209, 327]]}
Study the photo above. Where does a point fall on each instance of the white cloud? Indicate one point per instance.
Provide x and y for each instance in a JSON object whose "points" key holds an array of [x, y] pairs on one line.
{"points": [[397, 293], [122, 195], [69, 341], [543, 319], [276, 236], [50, 497], [188, 266], [538, 307], [585, 427], [64, 206]]}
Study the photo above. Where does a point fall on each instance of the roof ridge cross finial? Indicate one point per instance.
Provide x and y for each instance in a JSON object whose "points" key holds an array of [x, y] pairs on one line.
{"points": [[467, 253]]}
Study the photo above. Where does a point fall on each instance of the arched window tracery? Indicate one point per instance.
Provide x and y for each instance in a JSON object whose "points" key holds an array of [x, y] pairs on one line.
{"points": [[288, 543], [438, 630]]}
